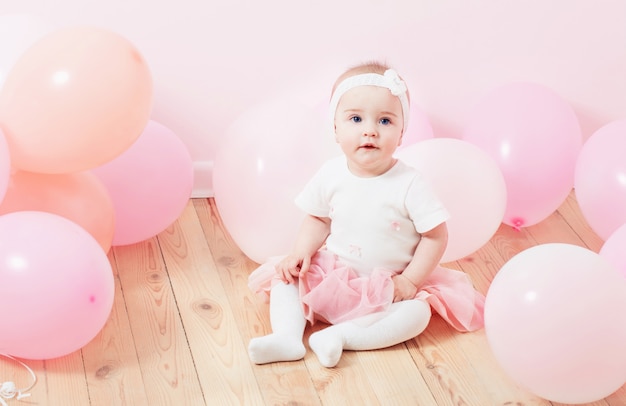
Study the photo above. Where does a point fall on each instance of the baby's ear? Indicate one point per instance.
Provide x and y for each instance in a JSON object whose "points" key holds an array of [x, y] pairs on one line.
{"points": [[400, 139]]}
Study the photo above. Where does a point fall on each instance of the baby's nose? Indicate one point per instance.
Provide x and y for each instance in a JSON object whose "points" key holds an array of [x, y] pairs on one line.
{"points": [[370, 130]]}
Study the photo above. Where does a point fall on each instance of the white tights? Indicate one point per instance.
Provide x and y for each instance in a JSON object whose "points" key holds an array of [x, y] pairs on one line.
{"points": [[403, 321]]}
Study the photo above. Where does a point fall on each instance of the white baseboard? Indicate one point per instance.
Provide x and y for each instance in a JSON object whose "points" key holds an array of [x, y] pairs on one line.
{"points": [[202, 179]]}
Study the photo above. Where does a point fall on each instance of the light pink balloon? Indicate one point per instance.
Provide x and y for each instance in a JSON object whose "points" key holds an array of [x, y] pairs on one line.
{"points": [[614, 249], [57, 287], [75, 99], [535, 138], [470, 185], [419, 128], [267, 157], [150, 184], [555, 319], [79, 197], [600, 182], [5, 165]]}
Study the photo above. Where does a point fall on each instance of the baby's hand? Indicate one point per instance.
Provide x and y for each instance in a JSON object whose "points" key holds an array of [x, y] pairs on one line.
{"points": [[403, 288], [292, 266]]}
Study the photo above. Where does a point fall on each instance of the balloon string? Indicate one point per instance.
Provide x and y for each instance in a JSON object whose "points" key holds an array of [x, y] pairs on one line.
{"points": [[8, 390]]}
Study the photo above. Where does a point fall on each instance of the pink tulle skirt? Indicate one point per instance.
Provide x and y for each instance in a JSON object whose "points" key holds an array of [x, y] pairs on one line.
{"points": [[332, 292]]}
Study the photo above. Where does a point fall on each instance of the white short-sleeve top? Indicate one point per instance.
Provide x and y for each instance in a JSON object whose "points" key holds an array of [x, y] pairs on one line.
{"points": [[375, 222]]}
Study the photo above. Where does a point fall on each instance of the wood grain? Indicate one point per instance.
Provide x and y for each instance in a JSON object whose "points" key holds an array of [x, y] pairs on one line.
{"points": [[183, 316]]}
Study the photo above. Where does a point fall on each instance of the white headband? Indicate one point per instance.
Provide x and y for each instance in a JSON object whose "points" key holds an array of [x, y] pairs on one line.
{"points": [[389, 80]]}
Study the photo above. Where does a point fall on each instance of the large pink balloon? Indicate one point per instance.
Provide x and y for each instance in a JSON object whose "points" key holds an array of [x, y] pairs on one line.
{"points": [[469, 183], [150, 184], [555, 319], [57, 285], [535, 138], [74, 100], [614, 249], [260, 168], [79, 197], [600, 182]]}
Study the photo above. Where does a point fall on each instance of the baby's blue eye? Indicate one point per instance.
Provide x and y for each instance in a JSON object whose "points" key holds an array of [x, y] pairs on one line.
{"points": [[355, 119], [385, 121]]}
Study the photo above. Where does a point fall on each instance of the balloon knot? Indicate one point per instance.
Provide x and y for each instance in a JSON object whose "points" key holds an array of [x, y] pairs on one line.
{"points": [[517, 223]]}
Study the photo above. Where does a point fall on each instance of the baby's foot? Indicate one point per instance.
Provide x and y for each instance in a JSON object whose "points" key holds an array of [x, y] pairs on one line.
{"points": [[275, 348], [328, 346]]}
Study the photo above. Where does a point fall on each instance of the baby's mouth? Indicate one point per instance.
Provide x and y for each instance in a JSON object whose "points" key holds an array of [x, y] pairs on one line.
{"points": [[368, 146]]}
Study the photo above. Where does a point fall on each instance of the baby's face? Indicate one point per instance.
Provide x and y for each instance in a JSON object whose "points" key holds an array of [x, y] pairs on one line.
{"points": [[368, 128]]}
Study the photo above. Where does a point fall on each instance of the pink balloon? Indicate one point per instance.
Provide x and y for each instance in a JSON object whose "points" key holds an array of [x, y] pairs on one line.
{"points": [[614, 249], [555, 320], [79, 197], [150, 184], [535, 138], [93, 93], [470, 185], [419, 128], [260, 168], [57, 285], [600, 181], [5, 165]]}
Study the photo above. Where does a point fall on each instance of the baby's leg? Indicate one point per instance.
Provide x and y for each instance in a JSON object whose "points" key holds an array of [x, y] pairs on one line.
{"points": [[288, 322], [403, 321]]}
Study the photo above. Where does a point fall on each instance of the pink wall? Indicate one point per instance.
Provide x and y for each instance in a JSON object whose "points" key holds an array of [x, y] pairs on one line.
{"points": [[213, 60]]}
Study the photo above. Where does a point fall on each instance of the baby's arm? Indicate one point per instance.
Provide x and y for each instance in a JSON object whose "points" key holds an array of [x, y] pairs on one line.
{"points": [[311, 237], [426, 258]]}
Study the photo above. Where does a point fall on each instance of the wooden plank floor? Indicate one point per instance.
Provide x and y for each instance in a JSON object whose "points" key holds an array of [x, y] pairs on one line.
{"points": [[183, 316]]}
